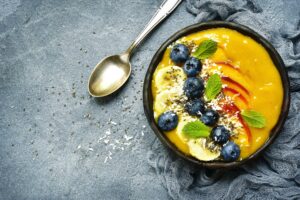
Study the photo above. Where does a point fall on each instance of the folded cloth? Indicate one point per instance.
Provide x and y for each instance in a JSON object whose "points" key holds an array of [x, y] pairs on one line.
{"points": [[276, 174]]}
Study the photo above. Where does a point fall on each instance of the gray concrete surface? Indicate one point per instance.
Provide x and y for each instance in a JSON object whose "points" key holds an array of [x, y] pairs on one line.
{"points": [[51, 131]]}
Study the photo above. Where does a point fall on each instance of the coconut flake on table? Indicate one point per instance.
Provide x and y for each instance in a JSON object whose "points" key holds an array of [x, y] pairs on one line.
{"points": [[116, 141], [127, 137]]}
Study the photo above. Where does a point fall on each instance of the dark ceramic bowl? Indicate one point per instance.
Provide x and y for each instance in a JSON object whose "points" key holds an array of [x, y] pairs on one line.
{"points": [[148, 99]]}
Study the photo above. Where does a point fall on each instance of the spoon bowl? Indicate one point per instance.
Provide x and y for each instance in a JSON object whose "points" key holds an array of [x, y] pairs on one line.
{"points": [[109, 75]]}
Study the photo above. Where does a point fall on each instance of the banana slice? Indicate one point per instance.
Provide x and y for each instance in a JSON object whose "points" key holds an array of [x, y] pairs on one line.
{"points": [[169, 77], [198, 150], [164, 101]]}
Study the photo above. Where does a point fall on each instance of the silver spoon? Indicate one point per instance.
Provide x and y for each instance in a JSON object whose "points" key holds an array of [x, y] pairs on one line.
{"points": [[113, 71]]}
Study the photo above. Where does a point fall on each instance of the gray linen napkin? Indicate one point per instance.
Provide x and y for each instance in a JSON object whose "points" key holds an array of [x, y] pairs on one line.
{"points": [[276, 174]]}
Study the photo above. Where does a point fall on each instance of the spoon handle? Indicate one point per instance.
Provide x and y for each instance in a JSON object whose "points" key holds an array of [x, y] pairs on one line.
{"points": [[164, 10]]}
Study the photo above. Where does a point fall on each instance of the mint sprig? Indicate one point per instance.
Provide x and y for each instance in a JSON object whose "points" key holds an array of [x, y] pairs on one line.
{"points": [[213, 87], [253, 118], [206, 49], [196, 129]]}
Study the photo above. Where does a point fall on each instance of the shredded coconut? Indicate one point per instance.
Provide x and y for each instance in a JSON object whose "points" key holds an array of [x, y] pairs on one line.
{"points": [[116, 141]]}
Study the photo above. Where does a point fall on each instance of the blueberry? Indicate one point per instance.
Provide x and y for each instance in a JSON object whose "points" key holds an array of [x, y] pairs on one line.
{"points": [[167, 121], [193, 87], [194, 107], [180, 53], [210, 117], [192, 66], [220, 134], [230, 151]]}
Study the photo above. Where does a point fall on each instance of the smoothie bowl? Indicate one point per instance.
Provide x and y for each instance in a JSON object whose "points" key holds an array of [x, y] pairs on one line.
{"points": [[217, 94]]}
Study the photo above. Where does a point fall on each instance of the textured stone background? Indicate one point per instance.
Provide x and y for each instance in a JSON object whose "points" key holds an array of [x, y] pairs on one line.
{"points": [[49, 126], [55, 141]]}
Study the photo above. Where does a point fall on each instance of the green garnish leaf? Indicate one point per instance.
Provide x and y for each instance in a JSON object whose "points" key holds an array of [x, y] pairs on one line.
{"points": [[196, 129], [213, 87], [253, 118], [206, 49]]}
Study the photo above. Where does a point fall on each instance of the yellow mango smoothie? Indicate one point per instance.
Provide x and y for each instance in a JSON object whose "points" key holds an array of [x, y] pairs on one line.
{"points": [[217, 95]]}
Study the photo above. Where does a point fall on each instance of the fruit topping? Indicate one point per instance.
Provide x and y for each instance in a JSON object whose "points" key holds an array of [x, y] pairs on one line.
{"points": [[165, 101], [220, 134], [180, 53], [195, 107], [169, 77], [193, 87], [168, 121], [204, 150], [230, 151], [231, 81], [196, 87], [210, 117], [192, 67]]}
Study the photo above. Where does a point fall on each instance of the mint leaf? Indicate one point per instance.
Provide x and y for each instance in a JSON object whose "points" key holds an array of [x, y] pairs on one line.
{"points": [[206, 49], [253, 118], [196, 129], [213, 86]]}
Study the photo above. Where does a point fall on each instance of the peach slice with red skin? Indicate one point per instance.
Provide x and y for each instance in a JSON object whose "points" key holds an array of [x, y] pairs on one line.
{"points": [[235, 92], [228, 79], [232, 85], [233, 109], [227, 64], [235, 88], [238, 89]]}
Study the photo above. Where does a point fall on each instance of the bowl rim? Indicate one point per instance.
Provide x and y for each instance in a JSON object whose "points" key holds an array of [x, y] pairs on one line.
{"points": [[277, 60]]}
